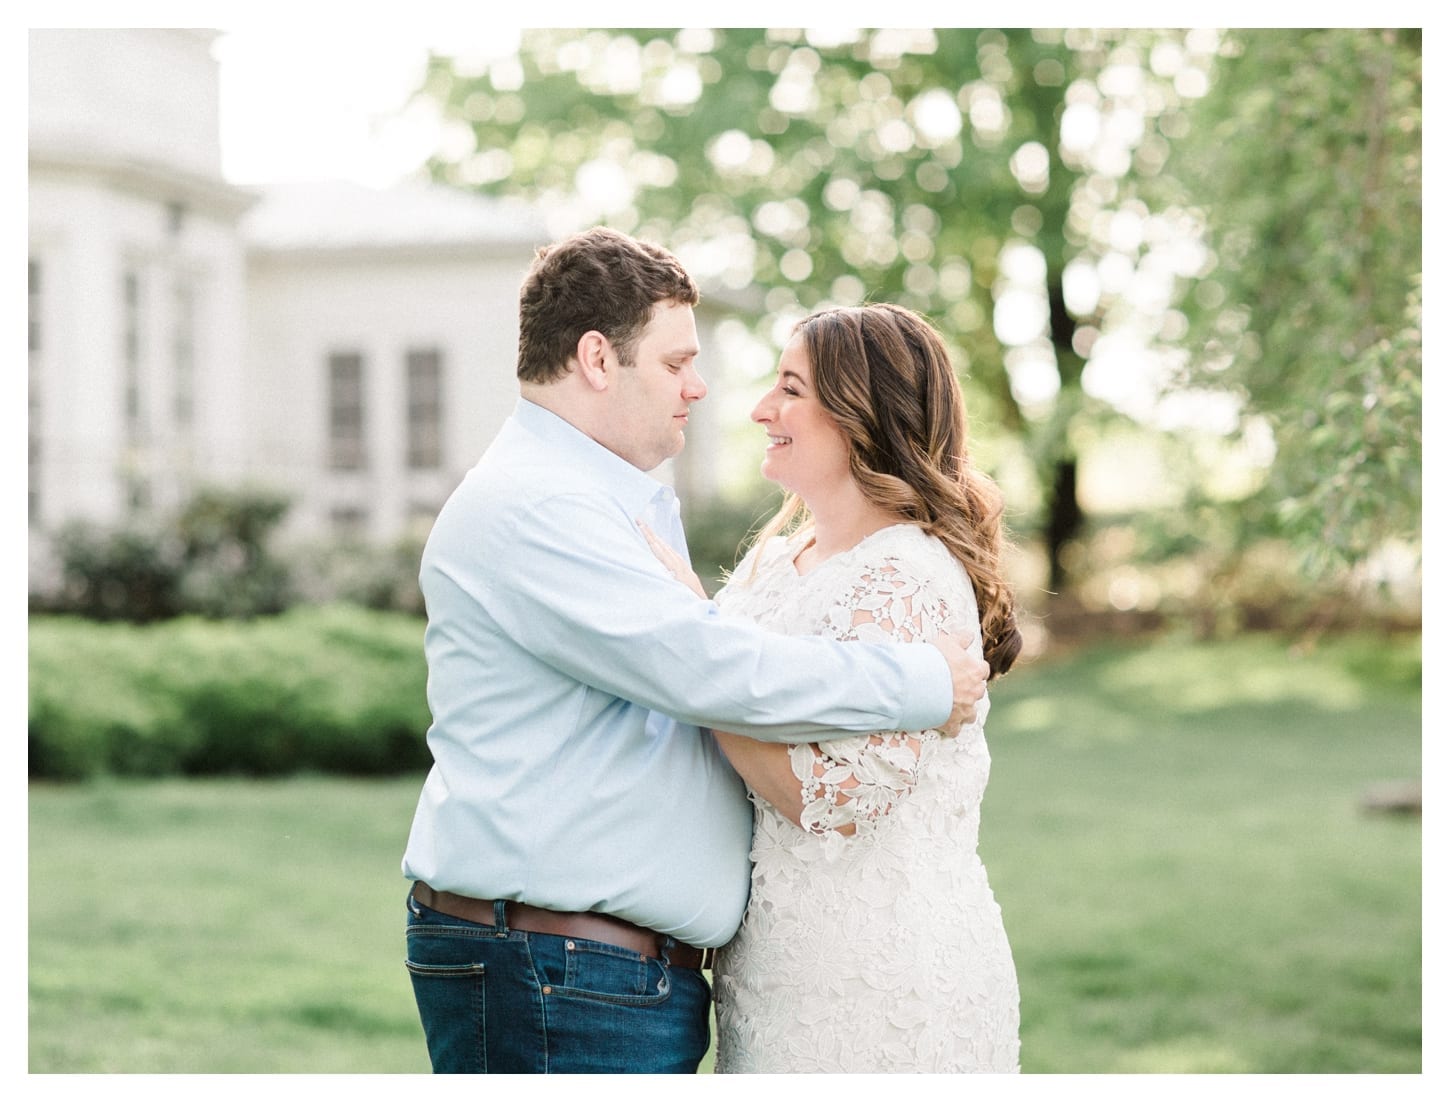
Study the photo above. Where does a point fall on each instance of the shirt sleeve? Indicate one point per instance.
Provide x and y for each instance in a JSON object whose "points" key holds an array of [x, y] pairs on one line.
{"points": [[573, 583], [858, 780]]}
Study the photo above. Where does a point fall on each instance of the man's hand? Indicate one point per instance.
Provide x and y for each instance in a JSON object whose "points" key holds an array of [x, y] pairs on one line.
{"points": [[969, 681]]}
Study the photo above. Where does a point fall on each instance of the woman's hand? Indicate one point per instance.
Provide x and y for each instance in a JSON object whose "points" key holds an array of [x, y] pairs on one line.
{"points": [[674, 562]]}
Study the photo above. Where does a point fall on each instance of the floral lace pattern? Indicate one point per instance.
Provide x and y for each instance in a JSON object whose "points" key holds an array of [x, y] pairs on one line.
{"points": [[858, 779], [885, 950]]}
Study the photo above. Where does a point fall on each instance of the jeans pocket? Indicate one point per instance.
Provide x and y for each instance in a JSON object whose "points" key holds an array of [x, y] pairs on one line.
{"points": [[450, 996], [609, 973]]}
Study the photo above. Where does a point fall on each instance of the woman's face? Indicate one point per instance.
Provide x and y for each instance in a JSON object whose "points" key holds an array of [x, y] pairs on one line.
{"points": [[805, 451]]}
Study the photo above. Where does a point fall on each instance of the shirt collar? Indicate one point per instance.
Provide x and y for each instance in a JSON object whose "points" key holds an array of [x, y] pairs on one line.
{"points": [[631, 486]]}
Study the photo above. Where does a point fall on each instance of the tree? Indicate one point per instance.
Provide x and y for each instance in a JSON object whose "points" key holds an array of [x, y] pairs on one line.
{"points": [[910, 166], [1305, 162]]}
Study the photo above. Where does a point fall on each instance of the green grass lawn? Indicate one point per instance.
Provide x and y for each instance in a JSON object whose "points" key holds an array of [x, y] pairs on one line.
{"points": [[1187, 877], [1174, 833]]}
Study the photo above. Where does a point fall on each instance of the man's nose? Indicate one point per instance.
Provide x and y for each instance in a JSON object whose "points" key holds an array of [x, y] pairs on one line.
{"points": [[694, 388]]}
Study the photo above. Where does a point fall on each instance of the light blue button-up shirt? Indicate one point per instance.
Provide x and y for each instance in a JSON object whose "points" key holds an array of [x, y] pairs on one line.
{"points": [[567, 674]]}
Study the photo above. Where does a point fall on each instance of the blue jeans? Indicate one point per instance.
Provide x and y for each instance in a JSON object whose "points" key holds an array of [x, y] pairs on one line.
{"points": [[494, 999]]}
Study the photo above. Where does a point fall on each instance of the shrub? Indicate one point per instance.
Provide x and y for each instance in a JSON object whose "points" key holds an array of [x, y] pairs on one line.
{"points": [[334, 689], [380, 576], [129, 573], [211, 558]]}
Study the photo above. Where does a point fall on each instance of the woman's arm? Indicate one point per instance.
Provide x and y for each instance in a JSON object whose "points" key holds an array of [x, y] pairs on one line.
{"points": [[815, 791], [674, 562]]}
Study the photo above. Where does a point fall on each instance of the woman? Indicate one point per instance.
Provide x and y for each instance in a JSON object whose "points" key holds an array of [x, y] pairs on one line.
{"points": [[872, 941]]}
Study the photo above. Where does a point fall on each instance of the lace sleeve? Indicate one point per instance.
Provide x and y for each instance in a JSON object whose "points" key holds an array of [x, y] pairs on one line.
{"points": [[849, 783]]}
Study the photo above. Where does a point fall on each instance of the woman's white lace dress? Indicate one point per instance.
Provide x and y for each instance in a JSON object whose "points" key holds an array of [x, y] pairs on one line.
{"points": [[885, 950]]}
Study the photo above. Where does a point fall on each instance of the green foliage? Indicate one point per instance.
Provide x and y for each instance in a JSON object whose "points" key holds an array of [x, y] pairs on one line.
{"points": [[227, 567], [1188, 569], [336, 689], [819, 168], [382, 577], [130, 573], [1306, 161], [806, 168], [211, 558]]}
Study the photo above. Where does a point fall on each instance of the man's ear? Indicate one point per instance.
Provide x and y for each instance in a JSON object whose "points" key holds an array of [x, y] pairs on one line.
{"points": [[594, 354]]}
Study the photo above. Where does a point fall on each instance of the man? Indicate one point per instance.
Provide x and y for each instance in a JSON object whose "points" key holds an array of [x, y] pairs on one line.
{"points": [[580, 844]]}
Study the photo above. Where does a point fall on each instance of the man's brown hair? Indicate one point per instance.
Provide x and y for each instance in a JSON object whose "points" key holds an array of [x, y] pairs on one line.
{"points": [[599, 279]]}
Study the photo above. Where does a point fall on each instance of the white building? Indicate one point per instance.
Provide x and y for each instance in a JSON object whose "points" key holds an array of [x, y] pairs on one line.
{"points": [[350, 347], [137, 276], [381, 341]]}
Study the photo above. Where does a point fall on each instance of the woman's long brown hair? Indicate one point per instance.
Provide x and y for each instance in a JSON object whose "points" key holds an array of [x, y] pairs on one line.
{"points": [[883, 374]]}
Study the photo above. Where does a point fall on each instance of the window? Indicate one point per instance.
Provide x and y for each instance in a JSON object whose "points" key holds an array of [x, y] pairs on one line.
{"points": [[183, 354], [131, 355], [425, 409], [135, 482], [35, 320], [346, 442]]}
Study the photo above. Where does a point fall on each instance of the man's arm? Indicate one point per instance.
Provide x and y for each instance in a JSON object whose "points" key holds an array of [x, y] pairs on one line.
{"points": [[586, 596], [969, 672]]}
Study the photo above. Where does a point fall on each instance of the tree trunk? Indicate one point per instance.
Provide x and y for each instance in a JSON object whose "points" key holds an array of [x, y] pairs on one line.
{"points": [[1064, 514], [1064, 521]]}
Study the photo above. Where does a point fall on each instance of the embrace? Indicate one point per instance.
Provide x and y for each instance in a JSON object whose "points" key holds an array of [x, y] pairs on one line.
{"points": [[633, 784]]}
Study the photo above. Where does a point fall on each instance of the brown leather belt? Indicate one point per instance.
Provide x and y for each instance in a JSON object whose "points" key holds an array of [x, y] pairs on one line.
{"points": [[589, 925]]}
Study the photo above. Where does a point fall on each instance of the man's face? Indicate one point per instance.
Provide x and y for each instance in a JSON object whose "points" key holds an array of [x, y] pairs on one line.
{"points": [[651, 399]]}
